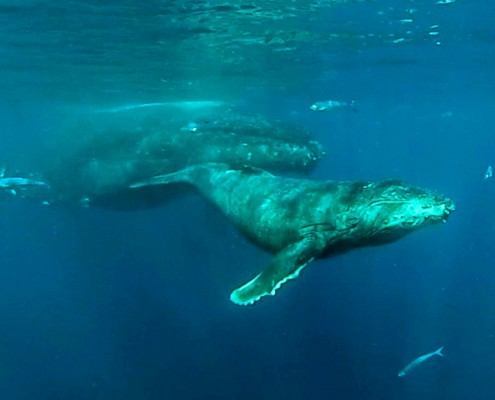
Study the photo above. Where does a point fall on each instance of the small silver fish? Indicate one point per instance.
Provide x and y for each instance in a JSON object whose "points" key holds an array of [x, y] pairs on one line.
{"points": [[420, 360], [15, 182], [489, 172], [190, 127], [328, 105]]}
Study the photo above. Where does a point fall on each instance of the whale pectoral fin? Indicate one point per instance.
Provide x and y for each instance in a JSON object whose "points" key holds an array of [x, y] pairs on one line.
{"points": [[286, 265]]}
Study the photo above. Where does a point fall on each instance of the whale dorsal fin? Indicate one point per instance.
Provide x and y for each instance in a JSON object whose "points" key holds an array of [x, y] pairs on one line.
{"points": [[286, 265]]}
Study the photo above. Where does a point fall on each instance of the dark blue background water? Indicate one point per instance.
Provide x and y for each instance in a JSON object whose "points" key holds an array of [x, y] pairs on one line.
{"points": [[99, 304]]}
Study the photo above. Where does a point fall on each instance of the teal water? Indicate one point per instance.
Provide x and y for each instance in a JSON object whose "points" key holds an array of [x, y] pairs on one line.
{"points": [[98, 304]]}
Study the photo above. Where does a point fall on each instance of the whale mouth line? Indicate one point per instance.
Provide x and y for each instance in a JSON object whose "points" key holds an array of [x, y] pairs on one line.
{"points": [[441, 216]]}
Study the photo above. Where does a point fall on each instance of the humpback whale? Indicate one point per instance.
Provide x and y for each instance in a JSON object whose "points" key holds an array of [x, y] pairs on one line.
{"points": [[113, 153], [300, 220]]}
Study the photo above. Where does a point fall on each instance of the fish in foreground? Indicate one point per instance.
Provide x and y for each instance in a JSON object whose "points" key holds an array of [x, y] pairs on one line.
{"points": [[328, 105], [420, 360]]}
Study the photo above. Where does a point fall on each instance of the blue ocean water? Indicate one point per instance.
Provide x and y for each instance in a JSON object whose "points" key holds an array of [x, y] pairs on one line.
{"points": [[102, 304]]}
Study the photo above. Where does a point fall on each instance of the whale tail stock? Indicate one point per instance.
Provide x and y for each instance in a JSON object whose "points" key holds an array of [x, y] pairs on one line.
{"points": [[190, 175], [193, 174]]}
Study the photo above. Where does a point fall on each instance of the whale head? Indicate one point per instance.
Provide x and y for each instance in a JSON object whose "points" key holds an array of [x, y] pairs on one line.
{"points": [[389, 210]]}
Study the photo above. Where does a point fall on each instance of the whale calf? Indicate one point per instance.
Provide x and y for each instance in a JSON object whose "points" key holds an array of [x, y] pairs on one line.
{"points": [[299, 220]]}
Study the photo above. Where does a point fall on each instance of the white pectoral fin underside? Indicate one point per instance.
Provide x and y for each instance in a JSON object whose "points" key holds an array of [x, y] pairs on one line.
{"points": [[286, 265]]}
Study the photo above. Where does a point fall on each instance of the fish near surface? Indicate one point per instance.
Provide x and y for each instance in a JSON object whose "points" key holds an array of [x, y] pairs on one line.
{"points": [[329, 105], [299, 220]]}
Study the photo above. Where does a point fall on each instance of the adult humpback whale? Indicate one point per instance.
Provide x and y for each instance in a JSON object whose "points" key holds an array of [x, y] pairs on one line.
{"points": [[299, 220], [114, 152]]}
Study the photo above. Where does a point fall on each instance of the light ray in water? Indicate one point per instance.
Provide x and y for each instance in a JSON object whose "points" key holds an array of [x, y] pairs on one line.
{"points": [[183, 105]]}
